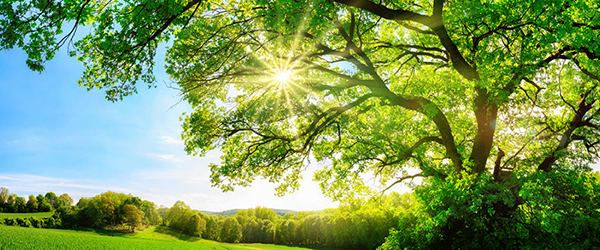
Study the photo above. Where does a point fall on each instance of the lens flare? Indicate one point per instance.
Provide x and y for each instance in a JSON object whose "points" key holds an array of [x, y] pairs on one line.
{"points": [[283, 76]]}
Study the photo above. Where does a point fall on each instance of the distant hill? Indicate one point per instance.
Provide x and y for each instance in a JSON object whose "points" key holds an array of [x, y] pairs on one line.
{"points": [[231, 212]]}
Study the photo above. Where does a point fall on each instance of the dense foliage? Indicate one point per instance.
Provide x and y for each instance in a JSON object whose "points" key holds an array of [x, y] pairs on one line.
{"points": [[105, 210], [11, 203], [493, 103], [360, 226], [544, 210]]}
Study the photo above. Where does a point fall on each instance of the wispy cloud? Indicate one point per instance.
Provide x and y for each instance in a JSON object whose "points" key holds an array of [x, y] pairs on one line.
{"points": [[29, 178], [25, 184], [168, 157], [170, 140]]}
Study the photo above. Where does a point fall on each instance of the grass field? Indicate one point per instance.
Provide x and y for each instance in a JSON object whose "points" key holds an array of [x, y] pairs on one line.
{"points": [[26, 215], [14, 237]]}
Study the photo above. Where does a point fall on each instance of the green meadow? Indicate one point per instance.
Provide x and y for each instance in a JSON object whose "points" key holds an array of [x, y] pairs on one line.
{"points": [[14, 237], [39, 215]]}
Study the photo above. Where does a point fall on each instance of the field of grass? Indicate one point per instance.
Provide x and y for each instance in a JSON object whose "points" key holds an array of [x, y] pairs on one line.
{"points": [[26, 215], [14, 237]]}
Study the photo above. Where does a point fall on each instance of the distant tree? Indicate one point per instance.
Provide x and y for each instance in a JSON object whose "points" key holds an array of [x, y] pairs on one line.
{"points": [[32, 204], [83, 202], [175, 218], [151, 216], [214, 225], [194, 225], [4, 193], [264, 213], [69, 215], [52, 199], [162, 212], [10, 203], [107, 207], [133, 200], [20, 204], [231, 231], [133, 216], [43, 204], [66, 200], [251, 230]]}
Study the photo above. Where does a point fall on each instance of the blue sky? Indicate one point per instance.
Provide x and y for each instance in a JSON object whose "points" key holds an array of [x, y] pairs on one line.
{"points": [[56, 136]]}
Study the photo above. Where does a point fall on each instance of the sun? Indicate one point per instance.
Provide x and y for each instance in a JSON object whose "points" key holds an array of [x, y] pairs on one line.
{"points": [[283, 76]]}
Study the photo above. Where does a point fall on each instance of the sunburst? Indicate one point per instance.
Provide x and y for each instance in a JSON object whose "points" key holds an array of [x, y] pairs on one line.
{"points": [[283, 76]]}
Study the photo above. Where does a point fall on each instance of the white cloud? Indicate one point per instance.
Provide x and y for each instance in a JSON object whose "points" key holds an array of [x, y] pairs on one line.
{"points": [[169, 157], [25, 184], [170, 140], [24, 178]]}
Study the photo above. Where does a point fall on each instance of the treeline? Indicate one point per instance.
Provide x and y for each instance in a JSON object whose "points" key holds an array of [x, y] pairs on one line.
{"points": [[11, 203], [108, 209], [359, 226]]}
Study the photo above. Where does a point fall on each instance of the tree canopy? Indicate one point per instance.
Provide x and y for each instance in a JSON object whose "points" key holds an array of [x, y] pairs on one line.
{"points": [[371, 89]]}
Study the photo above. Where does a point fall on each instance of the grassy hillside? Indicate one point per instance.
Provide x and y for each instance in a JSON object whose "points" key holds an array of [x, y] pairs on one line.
{"points": [[12, 237], [26, 215]]}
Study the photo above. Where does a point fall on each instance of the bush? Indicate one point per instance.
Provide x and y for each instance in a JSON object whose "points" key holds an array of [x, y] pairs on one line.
{"points": [[35, 222], [556, 210], [53, 222], [11, 222], [24, 222]]}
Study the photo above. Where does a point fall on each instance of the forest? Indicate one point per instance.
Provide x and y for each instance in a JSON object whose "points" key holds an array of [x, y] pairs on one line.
{"points": [[492, 105], [358, 226]]}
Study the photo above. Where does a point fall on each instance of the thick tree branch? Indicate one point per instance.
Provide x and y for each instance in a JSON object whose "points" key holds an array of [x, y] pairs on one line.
{"points": [[384, 12], [567, 137], [430, 110]]}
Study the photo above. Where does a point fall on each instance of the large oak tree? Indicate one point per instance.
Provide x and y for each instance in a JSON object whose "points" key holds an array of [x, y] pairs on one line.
{"points": [[370, 88]]}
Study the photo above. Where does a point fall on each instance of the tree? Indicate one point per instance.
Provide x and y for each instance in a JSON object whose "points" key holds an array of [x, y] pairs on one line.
{"points": [[449, 93], [194, 225], [65, 200], [133, 216], [54, 200], [177, 215], [151, 216], [20, 204], [213, 228], [43, 204], [32, 204], [4, 193], [10, 204], [476, 94], [70, 216], [231, 230]]}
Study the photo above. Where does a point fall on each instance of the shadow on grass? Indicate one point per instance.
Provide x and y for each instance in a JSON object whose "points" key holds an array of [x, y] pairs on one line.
{"points": [[178, 235], [99, 231]]}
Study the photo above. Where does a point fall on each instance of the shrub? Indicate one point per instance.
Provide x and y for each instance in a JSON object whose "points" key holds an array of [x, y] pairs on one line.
{"points": [[556, 210], [24, 222], [35, 222], [11, 222]]}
